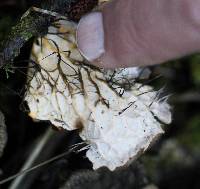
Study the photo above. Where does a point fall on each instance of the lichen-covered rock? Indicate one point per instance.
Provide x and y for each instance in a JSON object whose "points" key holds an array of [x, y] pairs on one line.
{"points": [[116, 122]]}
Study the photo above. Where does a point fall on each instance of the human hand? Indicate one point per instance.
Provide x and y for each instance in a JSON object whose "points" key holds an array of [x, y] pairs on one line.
{"points": [[140, 32]]}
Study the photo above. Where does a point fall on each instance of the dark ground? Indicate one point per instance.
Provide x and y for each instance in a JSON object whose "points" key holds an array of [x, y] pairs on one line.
{"points": [[173, 162]]}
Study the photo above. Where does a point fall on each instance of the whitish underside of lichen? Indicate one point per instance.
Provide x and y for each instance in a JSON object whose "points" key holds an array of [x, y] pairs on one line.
{"points": [[117, 117]]}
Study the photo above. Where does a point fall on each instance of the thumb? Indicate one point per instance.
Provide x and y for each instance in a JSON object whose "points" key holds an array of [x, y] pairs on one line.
{"points": [[137, 33], [94, 34], [90, 36]]}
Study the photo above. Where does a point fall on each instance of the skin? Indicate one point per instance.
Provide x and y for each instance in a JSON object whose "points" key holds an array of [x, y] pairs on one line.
{"points": [[141, 32]]}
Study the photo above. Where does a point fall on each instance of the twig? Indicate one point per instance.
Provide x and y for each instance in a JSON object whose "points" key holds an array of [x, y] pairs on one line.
{"points": [[23, 172], [33, 156]]}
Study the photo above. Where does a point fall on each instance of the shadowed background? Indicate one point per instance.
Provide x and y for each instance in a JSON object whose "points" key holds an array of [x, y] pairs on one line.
{"points": [[172, 162]]}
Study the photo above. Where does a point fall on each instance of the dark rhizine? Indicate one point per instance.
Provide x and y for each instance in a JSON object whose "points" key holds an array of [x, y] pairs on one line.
{"points": [[36, 24]]}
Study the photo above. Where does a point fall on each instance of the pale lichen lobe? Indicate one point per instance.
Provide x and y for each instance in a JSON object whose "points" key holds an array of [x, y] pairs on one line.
{"points": [[116, 122]]}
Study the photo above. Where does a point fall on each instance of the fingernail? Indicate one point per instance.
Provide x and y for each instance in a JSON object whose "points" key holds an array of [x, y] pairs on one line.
{"points": [[90, 36]]}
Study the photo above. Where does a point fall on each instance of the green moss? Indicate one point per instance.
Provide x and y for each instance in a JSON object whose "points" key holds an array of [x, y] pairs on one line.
{"points": [[23, 28]]}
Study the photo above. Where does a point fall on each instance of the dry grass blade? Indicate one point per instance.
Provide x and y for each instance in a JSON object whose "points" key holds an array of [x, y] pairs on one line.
{"points": [[64, 154]]}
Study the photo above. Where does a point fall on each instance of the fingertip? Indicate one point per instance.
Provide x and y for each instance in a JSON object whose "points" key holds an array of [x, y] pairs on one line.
{"points": [[90, 36]]}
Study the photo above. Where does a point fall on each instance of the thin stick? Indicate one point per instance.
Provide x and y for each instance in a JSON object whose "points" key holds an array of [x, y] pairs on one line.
{"points": [[33, 156], [37, 166]]}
